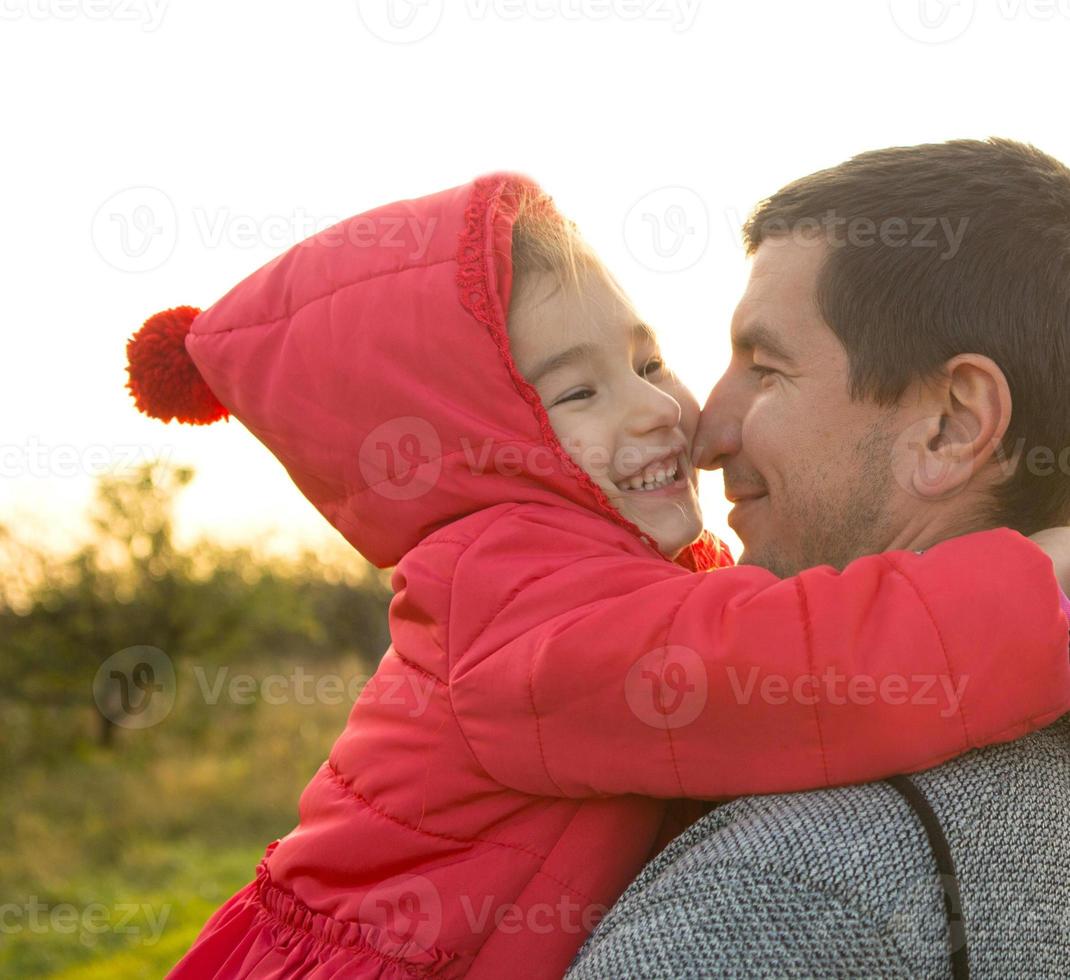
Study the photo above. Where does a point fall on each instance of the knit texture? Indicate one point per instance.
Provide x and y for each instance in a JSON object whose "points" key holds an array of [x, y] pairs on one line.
{"points": [[842, 883]]}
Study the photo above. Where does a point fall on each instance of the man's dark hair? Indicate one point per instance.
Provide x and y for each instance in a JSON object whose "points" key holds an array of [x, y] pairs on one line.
{"points": [[905, 301]]}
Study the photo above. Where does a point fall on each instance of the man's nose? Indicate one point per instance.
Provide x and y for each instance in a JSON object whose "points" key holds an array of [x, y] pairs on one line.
{"points": [[718, 436]]}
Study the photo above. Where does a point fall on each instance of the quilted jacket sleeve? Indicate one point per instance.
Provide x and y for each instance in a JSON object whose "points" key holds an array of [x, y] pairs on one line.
{"points": [[579, 671]]}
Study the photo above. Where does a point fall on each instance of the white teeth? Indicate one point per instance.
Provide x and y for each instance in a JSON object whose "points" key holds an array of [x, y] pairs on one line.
{"points": [[662, 475]]}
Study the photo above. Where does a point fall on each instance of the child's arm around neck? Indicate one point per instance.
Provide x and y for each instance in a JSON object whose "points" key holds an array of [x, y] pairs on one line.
{"points": [[579, 669]]}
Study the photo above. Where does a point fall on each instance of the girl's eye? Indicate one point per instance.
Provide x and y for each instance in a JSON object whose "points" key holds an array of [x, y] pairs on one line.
{"points": [[581, 394], [653, 366]]}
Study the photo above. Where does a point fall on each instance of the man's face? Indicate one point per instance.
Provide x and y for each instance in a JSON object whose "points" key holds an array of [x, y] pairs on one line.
{"points": [[809, 470]]}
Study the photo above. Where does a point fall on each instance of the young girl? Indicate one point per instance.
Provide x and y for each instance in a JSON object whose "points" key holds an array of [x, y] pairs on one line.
{"points": [[568, 676]]}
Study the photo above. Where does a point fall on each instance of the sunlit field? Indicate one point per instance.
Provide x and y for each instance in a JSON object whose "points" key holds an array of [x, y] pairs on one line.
{"points": [[156, 154]]}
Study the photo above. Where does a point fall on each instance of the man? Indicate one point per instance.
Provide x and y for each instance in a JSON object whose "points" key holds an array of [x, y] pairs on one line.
{"points": [[897, 378]]}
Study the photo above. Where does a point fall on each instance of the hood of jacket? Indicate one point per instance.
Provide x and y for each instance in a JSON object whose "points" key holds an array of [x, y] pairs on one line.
{"points": [[373, 360]]}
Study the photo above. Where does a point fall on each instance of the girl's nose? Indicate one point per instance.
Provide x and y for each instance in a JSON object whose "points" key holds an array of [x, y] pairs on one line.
{"points": [[651, 408]]}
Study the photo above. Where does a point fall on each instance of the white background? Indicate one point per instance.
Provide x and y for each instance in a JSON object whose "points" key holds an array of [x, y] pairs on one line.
{"points": [[156, 152]]}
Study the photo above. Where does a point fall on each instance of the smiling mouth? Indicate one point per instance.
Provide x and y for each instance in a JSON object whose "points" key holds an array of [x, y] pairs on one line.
{"points": [[737, 501], [739, 507], [655, 476]]}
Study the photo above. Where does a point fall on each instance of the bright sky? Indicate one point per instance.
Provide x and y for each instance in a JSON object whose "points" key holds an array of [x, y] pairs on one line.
{"points": [[158, 152]]}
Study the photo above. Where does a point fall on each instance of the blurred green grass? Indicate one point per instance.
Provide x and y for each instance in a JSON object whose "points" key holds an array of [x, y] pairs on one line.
{"points": [[157, 830], [119, 841]]}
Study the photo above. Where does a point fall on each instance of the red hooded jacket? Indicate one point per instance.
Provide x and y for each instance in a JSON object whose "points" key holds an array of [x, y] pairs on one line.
{"points": [[555, 687]]}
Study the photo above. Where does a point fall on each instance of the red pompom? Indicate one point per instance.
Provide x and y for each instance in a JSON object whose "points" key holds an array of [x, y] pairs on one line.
{"points": [[164, 380]]}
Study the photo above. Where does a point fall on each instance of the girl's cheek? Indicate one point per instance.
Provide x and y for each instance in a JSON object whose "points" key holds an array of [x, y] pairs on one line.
{"points": [[566, 431], [577, 444], [689, 421], [593, 448]]}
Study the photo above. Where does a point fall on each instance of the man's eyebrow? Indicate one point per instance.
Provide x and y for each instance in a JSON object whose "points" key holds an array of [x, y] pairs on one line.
{"points": [[560, 360], [759, 336]]}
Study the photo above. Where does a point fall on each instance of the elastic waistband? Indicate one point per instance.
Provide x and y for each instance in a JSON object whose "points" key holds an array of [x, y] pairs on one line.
{"points": [[408, 957]]}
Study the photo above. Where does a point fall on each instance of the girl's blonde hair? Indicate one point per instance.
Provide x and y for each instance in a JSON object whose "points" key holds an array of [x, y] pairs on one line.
{"points": [[547, 243]]}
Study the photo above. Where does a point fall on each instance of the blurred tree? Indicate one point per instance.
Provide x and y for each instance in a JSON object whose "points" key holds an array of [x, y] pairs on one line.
{"points": [[130, 585]]}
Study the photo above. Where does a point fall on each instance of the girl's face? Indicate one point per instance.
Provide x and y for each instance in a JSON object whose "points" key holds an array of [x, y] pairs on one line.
{"points": [[618, 411]]}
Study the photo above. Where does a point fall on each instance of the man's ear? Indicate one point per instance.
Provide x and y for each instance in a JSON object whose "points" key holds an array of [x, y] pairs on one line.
{"points": [[971, 411]]}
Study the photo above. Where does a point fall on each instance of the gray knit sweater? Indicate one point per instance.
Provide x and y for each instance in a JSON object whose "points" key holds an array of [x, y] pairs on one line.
{"points": [[843, 882]]}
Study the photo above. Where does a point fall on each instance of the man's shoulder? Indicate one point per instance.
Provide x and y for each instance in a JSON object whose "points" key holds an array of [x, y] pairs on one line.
{"points": [[1005, 812], [992, 785], [776, 885], [849, 827], [1010, 774], [845, 877]]}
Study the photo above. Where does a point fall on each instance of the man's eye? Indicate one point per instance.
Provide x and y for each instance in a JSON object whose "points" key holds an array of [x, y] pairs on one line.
{"points": [[580, 394], [763, 372]]}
